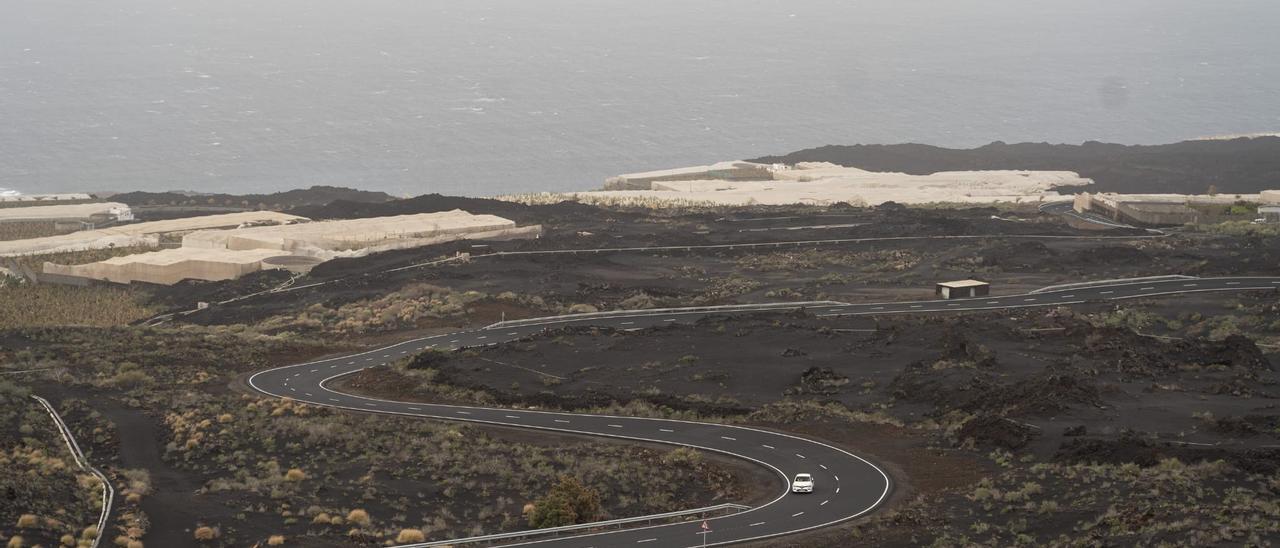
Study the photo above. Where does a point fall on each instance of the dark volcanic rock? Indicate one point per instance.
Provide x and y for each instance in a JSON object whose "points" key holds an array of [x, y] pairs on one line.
{"points": [[1236, 166], [1143, 452], [821, 380], [316, 195]]}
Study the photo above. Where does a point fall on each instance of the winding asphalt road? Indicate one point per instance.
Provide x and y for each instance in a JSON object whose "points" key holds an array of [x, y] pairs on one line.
{"points": [[847, 486]]}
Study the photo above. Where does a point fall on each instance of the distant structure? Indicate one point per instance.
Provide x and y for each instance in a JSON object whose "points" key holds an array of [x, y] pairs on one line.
{"points": [[23, 199], [721, 171], [70, 216], [1169, 209], [137, 234], [748, 183], [962, 289], [213, 255], [1269, 214]]}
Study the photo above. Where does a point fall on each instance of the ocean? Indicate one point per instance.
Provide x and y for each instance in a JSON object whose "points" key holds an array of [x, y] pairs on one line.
{"points": [[481, 97]]}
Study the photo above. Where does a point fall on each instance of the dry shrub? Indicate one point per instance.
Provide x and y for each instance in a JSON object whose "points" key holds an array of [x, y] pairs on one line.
{"points": [[275, 540], [359, 517], [410, 535], [205, 533], [295, 474], [60, 305], [16, 542], [28, 521]]}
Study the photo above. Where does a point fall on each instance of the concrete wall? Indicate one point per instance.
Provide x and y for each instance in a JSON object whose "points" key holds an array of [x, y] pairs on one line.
{"points": [[335, 238], [230, 254], [136, 234], [113, 210], [167, 267]]}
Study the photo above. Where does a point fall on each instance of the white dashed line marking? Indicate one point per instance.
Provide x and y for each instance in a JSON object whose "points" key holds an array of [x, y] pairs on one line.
{"points": [[822, 466], [512, 416], [415, 408], [464, 412], [669, 320], [1028, 300], [615, 426], [1107, 292], [1189, 285], [453, 341], [371, 404], [333, 399], [837, 490], [953, 304], [307, 393], [916, 305], [482, 337], [797, 514], [645, 540], [1069, 296], [562, 421], [351, 363], [728, 438], [314, 370], [1148, 288], [836, 477], [768, 447], [877, 308], [756, 523], [665, 430], [993, 302], [292, 389], [1233, 283], [801, 456], [628, 323], [513, 333]]}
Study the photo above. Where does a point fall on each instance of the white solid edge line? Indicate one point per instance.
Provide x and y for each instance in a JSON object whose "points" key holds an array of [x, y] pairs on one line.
{"points": [[888, 482]]}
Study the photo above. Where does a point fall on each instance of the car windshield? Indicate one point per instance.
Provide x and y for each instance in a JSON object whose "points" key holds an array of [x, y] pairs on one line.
{"points": [[803, 477]]}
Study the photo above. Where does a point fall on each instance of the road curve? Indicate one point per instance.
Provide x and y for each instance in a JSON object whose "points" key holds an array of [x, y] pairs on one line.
{"points": [[848, 486]]}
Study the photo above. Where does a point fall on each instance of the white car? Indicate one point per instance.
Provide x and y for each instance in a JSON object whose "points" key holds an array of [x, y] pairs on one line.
{"points": [[802, 484]]}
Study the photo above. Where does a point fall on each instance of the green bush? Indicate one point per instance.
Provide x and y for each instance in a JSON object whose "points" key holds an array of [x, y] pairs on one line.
{"points": [[568, 503]]}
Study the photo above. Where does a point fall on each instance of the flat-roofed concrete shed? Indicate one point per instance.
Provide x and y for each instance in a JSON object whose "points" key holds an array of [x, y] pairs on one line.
{"points": [[962, 289]]}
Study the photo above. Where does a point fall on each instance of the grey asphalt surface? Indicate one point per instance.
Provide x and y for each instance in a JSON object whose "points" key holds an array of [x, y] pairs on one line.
{"points": [[847, 486]]}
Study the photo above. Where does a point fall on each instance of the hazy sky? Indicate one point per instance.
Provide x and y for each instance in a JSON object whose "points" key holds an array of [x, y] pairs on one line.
{"points": [[481, 97]]}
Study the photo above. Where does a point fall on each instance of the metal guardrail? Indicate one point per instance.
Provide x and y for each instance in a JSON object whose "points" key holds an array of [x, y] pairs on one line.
{"points": [[108, 492], [660, 311], [556, 531], [1076, 285]]}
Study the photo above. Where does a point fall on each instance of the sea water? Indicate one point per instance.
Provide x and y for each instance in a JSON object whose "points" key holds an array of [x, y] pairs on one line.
{"points": [[481, 97]]}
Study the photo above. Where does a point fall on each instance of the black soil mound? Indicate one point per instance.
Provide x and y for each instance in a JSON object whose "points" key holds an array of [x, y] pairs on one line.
{"points": [[1237, 165], [1143, 452], [315, 195], [432, 203]]}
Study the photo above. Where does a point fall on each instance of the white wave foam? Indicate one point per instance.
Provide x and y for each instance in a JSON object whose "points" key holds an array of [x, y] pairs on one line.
{"points": [[9, 192]]}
